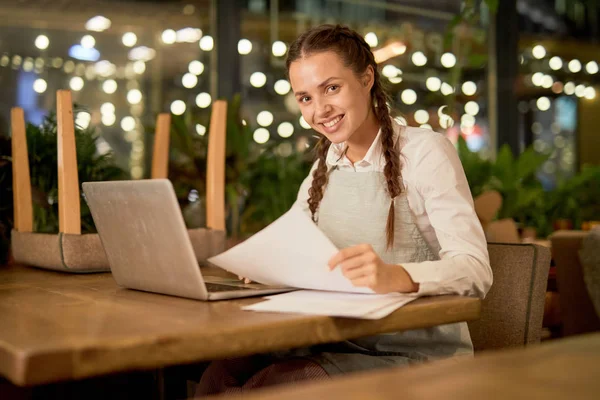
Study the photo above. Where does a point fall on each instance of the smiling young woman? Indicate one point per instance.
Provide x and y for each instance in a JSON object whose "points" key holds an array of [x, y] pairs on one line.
{"points": [[394, 199]]}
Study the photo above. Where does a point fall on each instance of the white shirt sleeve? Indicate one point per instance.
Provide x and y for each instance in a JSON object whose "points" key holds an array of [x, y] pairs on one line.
{"points": [[464, 266]]}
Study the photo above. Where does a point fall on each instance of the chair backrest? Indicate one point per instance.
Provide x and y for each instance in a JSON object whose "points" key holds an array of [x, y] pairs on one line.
{"points": [[577, 312], [513, 309], [215, 168], [502, 231], [487, 205]]}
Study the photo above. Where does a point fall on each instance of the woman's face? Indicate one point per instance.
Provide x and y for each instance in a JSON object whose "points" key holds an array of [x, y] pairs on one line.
{"points": [[333, 100]]}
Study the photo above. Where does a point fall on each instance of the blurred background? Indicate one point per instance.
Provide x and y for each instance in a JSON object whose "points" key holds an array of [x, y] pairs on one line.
{"points": [[514, 84]]}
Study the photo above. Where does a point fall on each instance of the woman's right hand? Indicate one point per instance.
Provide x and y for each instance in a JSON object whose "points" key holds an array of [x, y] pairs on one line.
{"points": [[246, 280]]}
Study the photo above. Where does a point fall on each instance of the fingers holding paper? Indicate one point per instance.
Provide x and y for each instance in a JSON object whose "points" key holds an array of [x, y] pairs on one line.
{"points": [[364, 268]]}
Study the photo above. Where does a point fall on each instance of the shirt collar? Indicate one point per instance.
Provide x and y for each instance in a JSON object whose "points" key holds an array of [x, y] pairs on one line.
{"points": [[337, 156]]}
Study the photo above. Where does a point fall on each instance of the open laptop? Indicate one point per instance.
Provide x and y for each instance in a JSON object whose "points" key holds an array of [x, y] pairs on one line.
{"points": [[147, 245]]}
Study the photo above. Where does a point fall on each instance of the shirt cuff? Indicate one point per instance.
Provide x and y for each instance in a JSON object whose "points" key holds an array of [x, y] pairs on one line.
{"points": [[424, 273]]}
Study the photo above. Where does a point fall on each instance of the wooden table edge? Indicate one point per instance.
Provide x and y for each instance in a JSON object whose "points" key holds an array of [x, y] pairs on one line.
{"points": [[410, 377], [28, 369]]}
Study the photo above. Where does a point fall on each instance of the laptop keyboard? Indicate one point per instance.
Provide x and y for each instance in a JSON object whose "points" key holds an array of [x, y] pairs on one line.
{"points": [[216, 287]]}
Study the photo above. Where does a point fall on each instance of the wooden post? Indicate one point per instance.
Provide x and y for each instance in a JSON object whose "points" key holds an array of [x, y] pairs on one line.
{"points": [[22, 206], [160, 154], [215, 169], [69, 215]]}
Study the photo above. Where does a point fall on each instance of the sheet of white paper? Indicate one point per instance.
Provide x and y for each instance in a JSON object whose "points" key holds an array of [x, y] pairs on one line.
{"points": [[364, 306], [385, 311], [320, 295], [292, 251]]}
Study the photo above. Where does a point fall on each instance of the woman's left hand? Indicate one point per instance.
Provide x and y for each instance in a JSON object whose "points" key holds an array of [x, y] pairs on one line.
{"points": [[364, 268]]}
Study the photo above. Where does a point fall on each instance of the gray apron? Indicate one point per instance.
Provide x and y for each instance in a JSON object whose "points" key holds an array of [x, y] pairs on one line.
{"points": [[354, 210]]}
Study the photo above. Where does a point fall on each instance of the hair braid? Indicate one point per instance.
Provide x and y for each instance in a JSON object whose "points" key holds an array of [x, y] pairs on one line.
{"points": [[391, 153], [320, 176]]}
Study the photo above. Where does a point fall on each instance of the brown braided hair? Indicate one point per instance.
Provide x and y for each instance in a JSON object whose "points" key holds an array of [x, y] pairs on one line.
{"points": [[356, 54]]}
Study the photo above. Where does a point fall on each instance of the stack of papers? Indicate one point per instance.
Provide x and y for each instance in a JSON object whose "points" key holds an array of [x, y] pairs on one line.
{"points": [[333, 304], [294, 252]]}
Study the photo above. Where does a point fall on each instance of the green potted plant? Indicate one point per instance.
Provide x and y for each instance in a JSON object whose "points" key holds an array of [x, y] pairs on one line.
{"points": [[273, 180], [477, 170], [588, 195], [514, 178], [574, 203]]}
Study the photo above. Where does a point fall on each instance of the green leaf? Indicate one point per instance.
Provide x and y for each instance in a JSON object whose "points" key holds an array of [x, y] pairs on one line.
{"points": [[503, 168], [477, 60], [492, 5], [528, 163], [449, 36]]}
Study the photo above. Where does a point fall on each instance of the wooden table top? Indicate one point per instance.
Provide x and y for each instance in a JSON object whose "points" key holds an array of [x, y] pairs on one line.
{"points": [[56, 326], [562, 369]]}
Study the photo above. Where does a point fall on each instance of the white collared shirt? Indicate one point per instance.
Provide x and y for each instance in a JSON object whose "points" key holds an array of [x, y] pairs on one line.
{"points": [[439, 196]]}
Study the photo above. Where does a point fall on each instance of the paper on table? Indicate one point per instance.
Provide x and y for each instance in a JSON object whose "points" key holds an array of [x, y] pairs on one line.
{"points": [[387, 310], [292, 251], [364, 306], [307, 295]]}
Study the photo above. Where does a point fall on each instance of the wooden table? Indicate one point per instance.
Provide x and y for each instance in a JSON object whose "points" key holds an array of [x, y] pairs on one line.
{"points": [[562, 369], [56, 327]]}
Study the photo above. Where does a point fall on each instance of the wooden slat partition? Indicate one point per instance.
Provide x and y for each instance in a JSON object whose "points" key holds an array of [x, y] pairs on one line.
{"points": [[22, 206], [160, 154], [215, 169], [69, 216]]}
